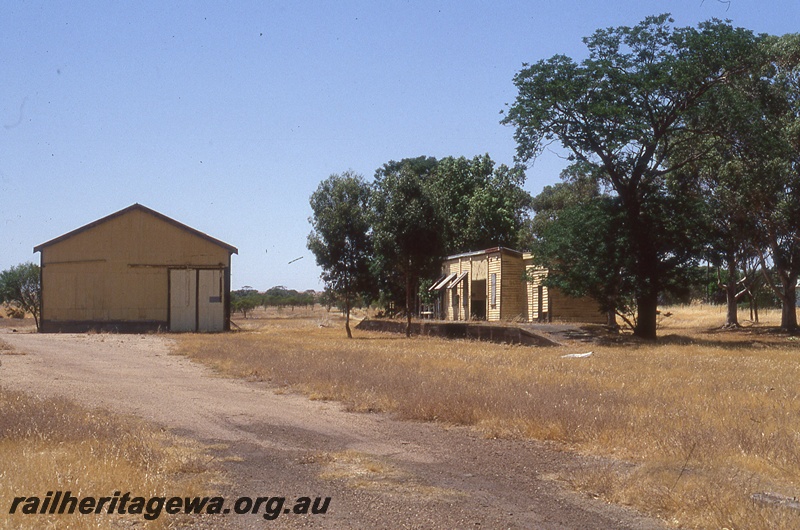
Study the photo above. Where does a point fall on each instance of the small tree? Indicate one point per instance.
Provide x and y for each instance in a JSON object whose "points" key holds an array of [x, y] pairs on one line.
{"points": [[340, 237], [20, 289], [244, 300]]}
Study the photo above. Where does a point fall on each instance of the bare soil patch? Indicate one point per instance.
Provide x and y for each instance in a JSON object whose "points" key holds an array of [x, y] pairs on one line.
{"points": [[379, 472]]}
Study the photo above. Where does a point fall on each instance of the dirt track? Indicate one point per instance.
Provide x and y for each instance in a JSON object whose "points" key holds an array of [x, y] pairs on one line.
{"points": [[379, 472]]}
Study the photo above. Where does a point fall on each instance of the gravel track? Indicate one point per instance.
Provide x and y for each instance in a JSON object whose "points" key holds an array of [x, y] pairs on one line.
{"points": [[379, 472]]}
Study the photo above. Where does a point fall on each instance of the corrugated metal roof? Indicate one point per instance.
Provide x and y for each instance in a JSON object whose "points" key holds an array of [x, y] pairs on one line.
{"points": [[492, 250]]}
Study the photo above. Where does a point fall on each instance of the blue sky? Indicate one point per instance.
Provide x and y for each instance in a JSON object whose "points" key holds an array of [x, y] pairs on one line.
{"points": [[227, 115]]}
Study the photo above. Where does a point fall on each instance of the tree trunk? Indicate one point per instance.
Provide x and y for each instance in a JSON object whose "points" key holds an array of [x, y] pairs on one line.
{"points": [[647, 271], [648, 280], [789, 303], [611, 314], [732, 316], [754, 309], [408, 304], [647, 315], [347, 316], [786, 291], [611, 320]]}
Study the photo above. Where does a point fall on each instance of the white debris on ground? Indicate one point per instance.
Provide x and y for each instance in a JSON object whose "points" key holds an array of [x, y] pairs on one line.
{"points": [[577, 355]]}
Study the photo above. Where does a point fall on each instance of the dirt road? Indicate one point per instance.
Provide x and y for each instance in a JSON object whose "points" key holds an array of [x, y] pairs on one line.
{"points": [[379, 472]]}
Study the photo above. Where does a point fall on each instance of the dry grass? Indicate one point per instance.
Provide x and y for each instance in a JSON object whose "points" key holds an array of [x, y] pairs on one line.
{"points": [[26, 324], [51, 445], [689, 427], [8, 349]]}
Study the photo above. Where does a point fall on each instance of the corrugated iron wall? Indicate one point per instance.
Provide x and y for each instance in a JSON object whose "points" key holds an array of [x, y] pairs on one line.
{"points": [[119, 270]]}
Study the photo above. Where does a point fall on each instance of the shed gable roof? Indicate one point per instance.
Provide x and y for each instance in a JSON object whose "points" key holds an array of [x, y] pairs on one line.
{"points": [[145, 209]]}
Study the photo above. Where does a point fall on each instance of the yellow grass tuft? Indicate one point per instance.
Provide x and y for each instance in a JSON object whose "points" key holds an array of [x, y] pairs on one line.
{"points": [[52, 445], [8, 349]]}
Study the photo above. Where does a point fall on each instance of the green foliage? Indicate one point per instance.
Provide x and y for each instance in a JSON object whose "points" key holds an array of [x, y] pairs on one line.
{"points": [[626, 112], [20, 289], [407, 226], [779, 156], [244, 292], [732, 182], [578, 186], [585, 249], [750, 173], [497, 211], [340, 238], [423, 292], [245, 300], [479, 205], [279, 296], [424, 209], [418, 210]]}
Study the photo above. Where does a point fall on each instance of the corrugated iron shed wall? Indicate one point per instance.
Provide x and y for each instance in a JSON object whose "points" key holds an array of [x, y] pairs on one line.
{"points": [[114, 273]]}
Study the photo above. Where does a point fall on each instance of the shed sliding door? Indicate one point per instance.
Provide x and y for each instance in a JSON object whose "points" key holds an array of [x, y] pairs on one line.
{"points": [[210, 301], [196, 300]]}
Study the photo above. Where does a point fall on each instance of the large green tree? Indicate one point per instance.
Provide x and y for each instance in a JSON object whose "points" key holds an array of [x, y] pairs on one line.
{"points": [[480, 205], [730, 225], [407, 227], [20, 288], [576, 235], [424, 209], [577, 186], [625, 111], [778, 160], [341, 238], [750, 172], [585, 253], [733, 183]]}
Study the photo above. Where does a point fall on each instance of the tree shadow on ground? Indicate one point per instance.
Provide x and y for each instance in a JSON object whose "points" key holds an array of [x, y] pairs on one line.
{"points": [[742, 338], [737, 339]]}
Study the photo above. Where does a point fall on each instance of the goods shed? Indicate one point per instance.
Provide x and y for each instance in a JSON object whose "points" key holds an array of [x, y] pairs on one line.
{"points": [[135, 270]]}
